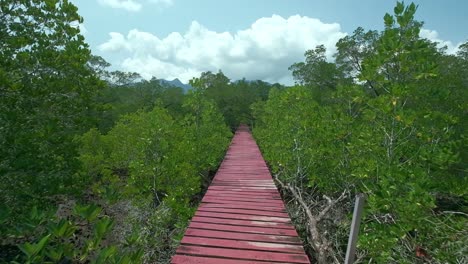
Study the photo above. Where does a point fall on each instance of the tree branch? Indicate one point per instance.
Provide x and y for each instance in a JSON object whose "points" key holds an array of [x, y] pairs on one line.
{"points": [[318, 241]]}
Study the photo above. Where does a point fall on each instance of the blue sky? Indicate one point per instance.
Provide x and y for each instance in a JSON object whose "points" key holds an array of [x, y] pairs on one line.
{"points": [[256, 39]]}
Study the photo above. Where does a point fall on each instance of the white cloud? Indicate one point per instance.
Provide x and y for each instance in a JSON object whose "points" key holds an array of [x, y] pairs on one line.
{"points": [[433, 35], [115, 44], [133, 5], [83, 29], [263, 51]]}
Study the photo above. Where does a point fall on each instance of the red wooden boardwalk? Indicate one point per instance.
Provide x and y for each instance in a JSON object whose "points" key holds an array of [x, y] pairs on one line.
{"points": [[242, 218]]}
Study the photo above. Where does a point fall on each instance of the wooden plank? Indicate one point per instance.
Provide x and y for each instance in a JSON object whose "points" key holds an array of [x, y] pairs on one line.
{"points": [[242, 254], [262, 246], [183, 259], [243, 236], [240, 199], [243, 206], [241, 222], [216, 195], [234, 190], [214, 198], [246, 203], [244, 229], [243, 212], [249, 196], [240, 189], [215, 187], [244, 182], [244, 217], [257, 190]]}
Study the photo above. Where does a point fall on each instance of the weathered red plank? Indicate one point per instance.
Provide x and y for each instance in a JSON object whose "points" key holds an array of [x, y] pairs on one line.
{"points": [[243, 236], [247, 203], [247, 198], [253, 197], [263, 246], [242, 254], [244, 229], [214, 199], [241, 199], [243, 194], [182, 259], [244, 212], [240, 189], [242, 218], [241, 222], [244, 206]]}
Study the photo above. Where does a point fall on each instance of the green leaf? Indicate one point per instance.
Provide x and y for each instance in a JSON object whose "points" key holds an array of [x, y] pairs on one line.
{"points": [[105, 254], [88, 212], [132, 239], [388, 20], [63, 228], [103, 226], [31, 250], [399, 8], [56, 253]]}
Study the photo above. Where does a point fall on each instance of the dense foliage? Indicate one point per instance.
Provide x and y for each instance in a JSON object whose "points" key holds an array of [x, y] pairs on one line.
{"points": [[387, 120], [151, 166], [46, 98], [233, 98]]}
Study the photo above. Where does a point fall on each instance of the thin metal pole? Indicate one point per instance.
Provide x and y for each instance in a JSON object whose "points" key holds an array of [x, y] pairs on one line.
{"points": [[354, 232]]}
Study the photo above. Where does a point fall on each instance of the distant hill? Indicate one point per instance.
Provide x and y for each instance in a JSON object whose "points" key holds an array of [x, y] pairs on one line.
{"points": [[177, 83]]}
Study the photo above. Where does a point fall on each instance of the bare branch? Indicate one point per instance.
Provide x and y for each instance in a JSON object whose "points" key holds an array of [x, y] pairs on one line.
{"points": [[318, 241], [453, 212], [331, 203]]}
